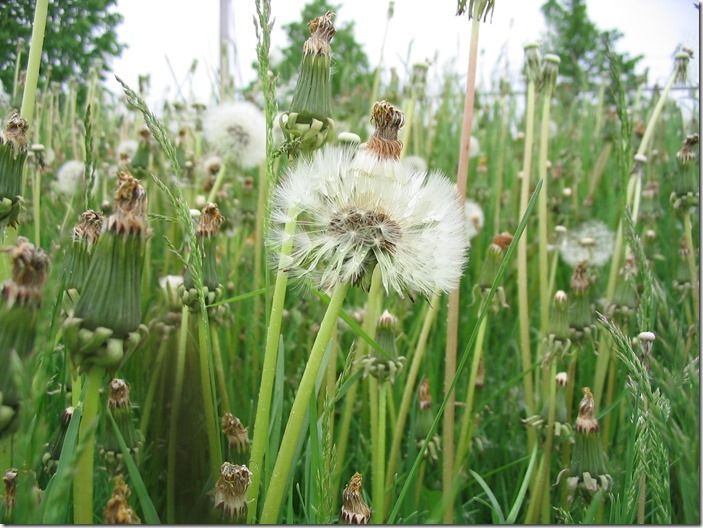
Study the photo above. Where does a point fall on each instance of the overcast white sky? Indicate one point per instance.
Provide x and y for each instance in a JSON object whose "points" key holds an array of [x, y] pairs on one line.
{"points": [[184, 30]]}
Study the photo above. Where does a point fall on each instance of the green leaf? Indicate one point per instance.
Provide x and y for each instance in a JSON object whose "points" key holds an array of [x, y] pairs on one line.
{"points": [[495, 506], [512, 516], [150, 515]]}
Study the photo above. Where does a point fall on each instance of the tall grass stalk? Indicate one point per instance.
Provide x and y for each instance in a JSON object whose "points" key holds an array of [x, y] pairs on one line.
{"points": [[34, 61], [296, 419], [209, 400], [453, 306]]}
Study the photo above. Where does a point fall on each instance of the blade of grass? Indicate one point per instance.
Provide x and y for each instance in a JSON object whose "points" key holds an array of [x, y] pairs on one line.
{"points": [[495, 506]]}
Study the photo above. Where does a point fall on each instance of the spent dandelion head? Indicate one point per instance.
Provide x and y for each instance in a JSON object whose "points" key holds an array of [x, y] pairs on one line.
{"points": [[533, 62], [117, 509], [681, 61], [591, 241], [384, 142], [237, 435], [354, 507], [231, 489], [237, 132]]}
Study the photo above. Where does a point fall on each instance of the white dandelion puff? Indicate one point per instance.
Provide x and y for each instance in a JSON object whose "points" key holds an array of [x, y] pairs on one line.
{"points": [[414, 164], [237, 131], [68, 177], [126, 150], [212, 164], [474, 147], [592, 241], [354, 214], [474, 219]]}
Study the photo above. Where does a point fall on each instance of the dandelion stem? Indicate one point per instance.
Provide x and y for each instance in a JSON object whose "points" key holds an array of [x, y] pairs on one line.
{"points": [[399, 423], [378, 474], [453, 307], [83, 480], [209, 400], [296, 419], [218, 182], [219, 369], [268, 371], [35, 52], [691, 258], [175, 410], [373, 311], [151, 391]]}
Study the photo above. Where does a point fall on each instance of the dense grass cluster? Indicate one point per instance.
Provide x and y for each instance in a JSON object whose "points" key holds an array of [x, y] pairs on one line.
{"points": [[204, 319]]}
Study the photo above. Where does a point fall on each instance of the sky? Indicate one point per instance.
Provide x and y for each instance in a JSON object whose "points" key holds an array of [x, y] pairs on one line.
{"points": [[164, 37]]}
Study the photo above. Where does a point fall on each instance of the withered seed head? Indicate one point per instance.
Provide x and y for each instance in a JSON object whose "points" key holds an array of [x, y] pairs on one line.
{"points": [[10, 480], [119, 394], [230, 490], [424, 397], [384, 142], [354, 509], [88, 228], [117, 510], [29, 269], [15, 132], [130, 209], [581, 280], [585, 422], [237, 435], [210, 221], [321, 33], [503, 240]]}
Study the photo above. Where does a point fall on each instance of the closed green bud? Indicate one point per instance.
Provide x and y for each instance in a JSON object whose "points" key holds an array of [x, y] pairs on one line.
{"points": [[685, 180], [85, 235], [13, 153], [120, 407]]}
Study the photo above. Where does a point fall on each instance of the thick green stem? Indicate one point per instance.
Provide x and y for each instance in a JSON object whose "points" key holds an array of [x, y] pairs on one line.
{"points": [[453, 306], [408, 390], [153, 382], [296, 419], [35, 49], [691, 258], [36, 206], [467, 418], [369, 326], [218, 182], [219, 369], [380, 448], [542, 219], [268, 371], [209, 401], [83, 479], [523, 304], [500, 162], [173, 425]]}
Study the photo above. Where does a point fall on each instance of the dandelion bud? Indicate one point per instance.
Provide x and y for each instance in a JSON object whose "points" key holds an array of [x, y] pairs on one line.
{"points": [[53, 448], [625, 298], [686, 192], [231, 490], [384, 366], [424, 397], [85, 235], [550, 71], [237, 435], [533, 62], [121, 409], [581, 311], [587, 473], [108, 314], [13, 153], [117, 509], [418, 78], [384, 142], [170, 291], [681, 60], [348, 138], [562, 379], [10, 481], [557, 340], [309, 122], [646, 340], [354, 508], [208, 227], [489, 269]]}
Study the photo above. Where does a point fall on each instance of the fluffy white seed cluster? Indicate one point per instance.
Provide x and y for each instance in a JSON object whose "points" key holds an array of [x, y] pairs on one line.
{"points": [[591, 241], [126, 150], [355, 212], [237, 131], [474, 219], [68, 177]]}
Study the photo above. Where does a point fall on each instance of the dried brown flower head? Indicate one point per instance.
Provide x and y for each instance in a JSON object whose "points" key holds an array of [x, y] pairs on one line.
{"points": [[117, 510], [231, 489], [321, 33], [585, 422], [237, 435], [118, 394], [354, 509], [388, 120], [88, 228]]}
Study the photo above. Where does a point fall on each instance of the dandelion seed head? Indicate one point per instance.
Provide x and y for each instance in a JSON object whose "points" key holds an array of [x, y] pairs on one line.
{"points": [[356, 213], [126, 150], [591, 242], [474, 219], [237, 131], [68, 177], [414, 164]]}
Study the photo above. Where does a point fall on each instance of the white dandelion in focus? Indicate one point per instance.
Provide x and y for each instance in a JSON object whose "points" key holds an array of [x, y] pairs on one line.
{"points": [[126, 150], [237, 131], [591, 241], [414, 164], [68, 177], [474, 219], [354, 214]]}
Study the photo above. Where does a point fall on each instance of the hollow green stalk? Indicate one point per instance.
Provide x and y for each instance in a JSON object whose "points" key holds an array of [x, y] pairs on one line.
{"points": [[408, 389], [218, 182], [268, 371], [219, 369], [151, 390], [523, 304], [373, 311], [173, 424], [453, 307], [36, 205], [209, 400], [500, 162], [379, 472], [35, 52], [83, 479], [691, 258], [296, 419], [467, 429]]}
